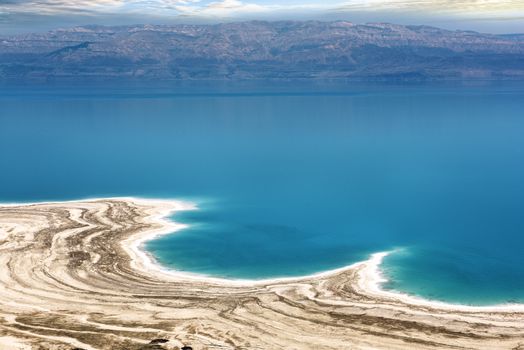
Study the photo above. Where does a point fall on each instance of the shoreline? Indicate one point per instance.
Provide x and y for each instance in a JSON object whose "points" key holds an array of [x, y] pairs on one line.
{"points": [[76, 275], [371, 276], [370, 268]]}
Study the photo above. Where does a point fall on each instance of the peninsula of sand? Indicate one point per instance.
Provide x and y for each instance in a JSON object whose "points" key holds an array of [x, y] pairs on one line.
{"points": [[73, 276]]}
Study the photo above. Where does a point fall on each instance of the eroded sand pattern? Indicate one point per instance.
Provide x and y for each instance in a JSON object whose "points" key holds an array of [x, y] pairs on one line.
{"points": [[72, 276]]}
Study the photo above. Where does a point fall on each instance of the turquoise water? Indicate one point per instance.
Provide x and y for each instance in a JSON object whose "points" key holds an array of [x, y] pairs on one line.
{"points": [[293, 179]]}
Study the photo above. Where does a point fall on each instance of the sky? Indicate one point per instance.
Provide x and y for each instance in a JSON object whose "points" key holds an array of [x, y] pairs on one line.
{"points": [[494, 16]]}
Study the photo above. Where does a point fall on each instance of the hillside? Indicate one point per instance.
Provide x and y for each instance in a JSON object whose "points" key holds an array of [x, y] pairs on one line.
{"points": [[257, 49]]}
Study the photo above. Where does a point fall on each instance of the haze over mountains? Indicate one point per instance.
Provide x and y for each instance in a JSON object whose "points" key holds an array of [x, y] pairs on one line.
{"points": [[258, 49]]}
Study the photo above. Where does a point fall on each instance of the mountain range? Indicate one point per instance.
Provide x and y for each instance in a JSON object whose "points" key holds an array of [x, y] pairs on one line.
{"points": [[260, 50]]}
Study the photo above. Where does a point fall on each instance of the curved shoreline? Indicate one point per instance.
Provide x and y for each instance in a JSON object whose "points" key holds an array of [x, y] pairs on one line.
{"points": [[371, 272], [75, 276]]}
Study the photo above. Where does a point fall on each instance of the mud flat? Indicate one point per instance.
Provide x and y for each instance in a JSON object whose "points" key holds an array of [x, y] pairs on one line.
{"points": [[72, 275]]}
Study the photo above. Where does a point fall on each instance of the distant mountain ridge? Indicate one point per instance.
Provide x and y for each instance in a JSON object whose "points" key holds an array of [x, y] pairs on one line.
{"points": [[259, 49]]}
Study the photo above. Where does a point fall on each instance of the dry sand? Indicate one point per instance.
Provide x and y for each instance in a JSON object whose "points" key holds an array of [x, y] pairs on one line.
{"points": [[73, 275]]}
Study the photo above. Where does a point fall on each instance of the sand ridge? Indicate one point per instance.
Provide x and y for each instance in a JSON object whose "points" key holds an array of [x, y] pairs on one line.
{"points": [[73, 276]]}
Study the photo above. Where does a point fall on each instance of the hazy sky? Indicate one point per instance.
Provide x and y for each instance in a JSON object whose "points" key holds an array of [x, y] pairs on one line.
{"points": [[500, 16]]}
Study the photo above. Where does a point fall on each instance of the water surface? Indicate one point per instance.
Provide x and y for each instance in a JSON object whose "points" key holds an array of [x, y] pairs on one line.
{"points": [[293, 179]]}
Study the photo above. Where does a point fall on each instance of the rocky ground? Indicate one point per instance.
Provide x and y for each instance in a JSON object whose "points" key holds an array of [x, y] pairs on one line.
{"points": [[262, 50]]}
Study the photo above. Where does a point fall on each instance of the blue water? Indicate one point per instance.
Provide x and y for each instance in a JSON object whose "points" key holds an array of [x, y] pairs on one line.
{"points": [[294, 178]]}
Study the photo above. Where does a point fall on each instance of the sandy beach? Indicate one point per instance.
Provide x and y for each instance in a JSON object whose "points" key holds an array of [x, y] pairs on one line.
{"points": [[73, 276]]}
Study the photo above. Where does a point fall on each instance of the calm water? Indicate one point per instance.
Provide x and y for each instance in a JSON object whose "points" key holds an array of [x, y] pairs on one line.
{"points": [[295, 179]]}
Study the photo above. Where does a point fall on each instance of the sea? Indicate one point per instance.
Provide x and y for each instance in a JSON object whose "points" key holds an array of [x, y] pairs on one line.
{"points": [[293, 178]]}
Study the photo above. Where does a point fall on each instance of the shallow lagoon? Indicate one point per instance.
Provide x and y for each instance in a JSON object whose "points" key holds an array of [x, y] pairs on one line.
{"points": [[293, 179]]}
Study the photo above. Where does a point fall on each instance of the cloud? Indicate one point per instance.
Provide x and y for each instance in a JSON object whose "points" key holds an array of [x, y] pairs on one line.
{"points": [[224, 8], [464, 7], [230, 7], [83, 6], [134, 11], [217, 8], [61, 6]]}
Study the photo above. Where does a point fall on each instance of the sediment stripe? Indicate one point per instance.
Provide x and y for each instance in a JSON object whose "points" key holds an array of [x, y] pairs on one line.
{"points": [[72, 275]]}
